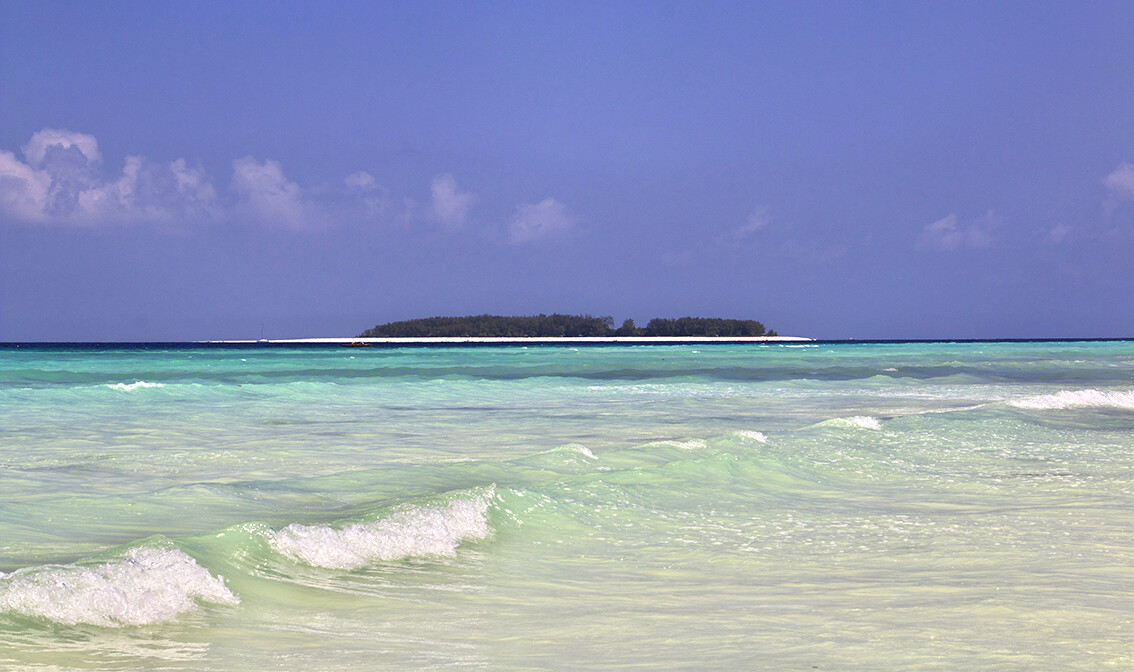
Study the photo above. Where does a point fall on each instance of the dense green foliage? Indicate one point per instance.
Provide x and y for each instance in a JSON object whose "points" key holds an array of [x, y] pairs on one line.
{"points": [[704, 326], [496, 325], [557, 325]]}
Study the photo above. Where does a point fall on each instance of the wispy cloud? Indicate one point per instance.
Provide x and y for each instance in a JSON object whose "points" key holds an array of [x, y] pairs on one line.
{"points": [[759, 219], [1057, 233], [1120, 183], [950, 234], [547, 219], [450, 205], [361, 181], [266, 196], [371, 196], [1119, 186]]}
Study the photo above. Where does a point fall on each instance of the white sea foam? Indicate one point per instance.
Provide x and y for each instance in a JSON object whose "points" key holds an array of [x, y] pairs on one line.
{"points": [[414, 532], [1077, 399], [148, 585], [855, 421], [130, 387], [691, 444], [583, 450], [755, 436]]}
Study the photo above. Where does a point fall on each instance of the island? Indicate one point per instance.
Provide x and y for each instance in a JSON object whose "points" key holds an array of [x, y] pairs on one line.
{"points": [[566, 326], [545, 329]]}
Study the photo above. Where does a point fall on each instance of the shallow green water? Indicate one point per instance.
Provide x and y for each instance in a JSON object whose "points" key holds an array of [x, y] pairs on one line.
{"points": [[825, 506]]}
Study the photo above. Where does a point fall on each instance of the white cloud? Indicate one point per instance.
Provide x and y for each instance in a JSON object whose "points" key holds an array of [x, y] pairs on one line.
{"points": [[949, 234], [1120, 187], [1120, 183], [1057, 233], [362, 181], [60, 180], [364, 191], [149, 191], [191, 181], [450, 205], [41, 143], [113, 198], [61, 184], [942, 234], [759, 219], [267, 196], [546, 219], [23, 189]]}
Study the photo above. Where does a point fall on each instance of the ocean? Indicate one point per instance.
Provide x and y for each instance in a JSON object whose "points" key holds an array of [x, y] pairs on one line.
{"points": [[778, 506]]}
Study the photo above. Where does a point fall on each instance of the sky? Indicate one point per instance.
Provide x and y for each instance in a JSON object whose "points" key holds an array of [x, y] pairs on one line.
{"points": [[199, 170]]}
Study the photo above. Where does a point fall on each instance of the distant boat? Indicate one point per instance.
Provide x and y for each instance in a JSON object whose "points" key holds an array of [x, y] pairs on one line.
{"points": [[355, 344], [262, 339]]}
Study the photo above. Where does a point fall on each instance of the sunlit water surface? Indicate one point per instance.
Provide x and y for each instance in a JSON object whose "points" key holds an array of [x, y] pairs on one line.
{"points": [[823, 506]]}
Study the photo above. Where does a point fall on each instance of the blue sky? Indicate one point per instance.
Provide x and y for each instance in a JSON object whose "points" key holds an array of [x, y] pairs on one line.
{"points": [[190, 170]]}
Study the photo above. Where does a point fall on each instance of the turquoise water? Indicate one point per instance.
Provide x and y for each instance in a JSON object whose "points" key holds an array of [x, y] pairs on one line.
{"points": [[775, 506]]}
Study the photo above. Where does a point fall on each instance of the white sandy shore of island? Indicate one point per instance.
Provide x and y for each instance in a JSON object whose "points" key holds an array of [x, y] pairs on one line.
{"points": [[533, 339]]}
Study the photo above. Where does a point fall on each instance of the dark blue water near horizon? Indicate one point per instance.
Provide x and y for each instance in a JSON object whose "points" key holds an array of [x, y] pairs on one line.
{"points": [[158, 345]]}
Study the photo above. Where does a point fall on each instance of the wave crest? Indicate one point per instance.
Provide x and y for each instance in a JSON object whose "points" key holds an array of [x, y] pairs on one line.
{"points": [[854, 422], [415, 532], [148, 585], [130, 387], [1077, 399], [583, 450]]}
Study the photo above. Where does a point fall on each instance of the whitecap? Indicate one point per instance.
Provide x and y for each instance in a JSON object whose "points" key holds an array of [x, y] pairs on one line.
{"points": [[691, 444], [130, 387], [582, 450], [148, 585], [420, 531], [855, 422], [1077, 399], [755, 436]]}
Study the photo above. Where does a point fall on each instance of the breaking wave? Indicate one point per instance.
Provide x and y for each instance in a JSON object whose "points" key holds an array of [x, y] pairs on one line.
{"points": [[854, 422], [1077, 399], [130, 387], [150, 584], [420, 531], [583, 450]]}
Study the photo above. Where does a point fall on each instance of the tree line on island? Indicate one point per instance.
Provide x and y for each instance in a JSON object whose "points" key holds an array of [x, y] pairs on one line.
{"points": [[557, 325]]}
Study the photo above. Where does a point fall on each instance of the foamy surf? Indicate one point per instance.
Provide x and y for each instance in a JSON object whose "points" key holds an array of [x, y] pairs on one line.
{"points": [[130, 387], [150, 584], [1077, 399], [421, 531], [854, 422], [583, 450], [691, 444]]}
